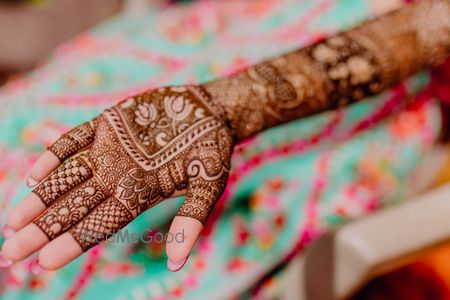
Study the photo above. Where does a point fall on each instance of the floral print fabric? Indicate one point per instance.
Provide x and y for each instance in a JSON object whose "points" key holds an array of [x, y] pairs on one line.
{"points": [[286, 186]]}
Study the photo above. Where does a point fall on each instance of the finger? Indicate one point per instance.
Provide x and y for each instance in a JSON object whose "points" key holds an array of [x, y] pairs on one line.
{"points": [[59, 252], [71, 173], [43, 166], [24, 243], [183, 233], [74, 140], [206, 184], [68, 211], [208, 169], [25, 212], [71, 208], [105, 220], [67, 145], [202, 194]]}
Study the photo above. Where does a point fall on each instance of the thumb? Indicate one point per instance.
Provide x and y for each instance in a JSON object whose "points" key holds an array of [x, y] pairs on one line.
{"points": [[200, 199]]}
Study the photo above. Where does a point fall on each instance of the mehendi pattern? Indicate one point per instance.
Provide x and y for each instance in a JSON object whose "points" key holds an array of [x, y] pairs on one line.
{"points": [[144, 150], [104, 221], [74, 140], [337, 71], [71, 208], [69, 174], [180, 139]]}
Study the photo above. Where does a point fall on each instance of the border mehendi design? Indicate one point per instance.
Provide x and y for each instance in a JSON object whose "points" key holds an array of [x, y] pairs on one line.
{"points": [[73, 141]]}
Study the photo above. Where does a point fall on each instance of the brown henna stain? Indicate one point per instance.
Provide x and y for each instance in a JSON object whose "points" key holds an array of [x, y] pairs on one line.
{"points": [[153, 146]]}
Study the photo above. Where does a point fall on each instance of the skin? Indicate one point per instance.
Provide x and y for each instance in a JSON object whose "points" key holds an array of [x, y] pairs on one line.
{"points": [[57, 253], [28, 238]]}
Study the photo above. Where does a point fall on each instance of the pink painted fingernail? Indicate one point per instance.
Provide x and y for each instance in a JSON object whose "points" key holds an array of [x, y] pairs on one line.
{"points": [[4, 262], [31, 182], [175, 267], [36, 268], [8, 231]]}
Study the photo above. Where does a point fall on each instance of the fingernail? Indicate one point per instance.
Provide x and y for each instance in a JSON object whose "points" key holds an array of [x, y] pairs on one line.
{"points": [[31, 182], [4, 262], [175, 267], [8, 231], [36, 268]]}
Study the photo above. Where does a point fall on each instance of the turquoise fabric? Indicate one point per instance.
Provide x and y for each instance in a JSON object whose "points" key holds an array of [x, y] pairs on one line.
{"points": [[287, 186]]}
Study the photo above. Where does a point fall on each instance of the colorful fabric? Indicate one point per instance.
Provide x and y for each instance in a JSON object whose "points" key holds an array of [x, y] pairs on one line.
{"points": [[286, 187]]}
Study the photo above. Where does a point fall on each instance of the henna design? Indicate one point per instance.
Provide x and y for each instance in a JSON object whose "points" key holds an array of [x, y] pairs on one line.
{"points": [[337, 71], [71, 208], [71, 173], [174, 139], [144, 150], [208, 175], [73, 141], [104, 221]]}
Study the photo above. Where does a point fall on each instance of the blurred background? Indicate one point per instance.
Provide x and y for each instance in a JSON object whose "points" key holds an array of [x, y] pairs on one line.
{"points": [[30, 31]]}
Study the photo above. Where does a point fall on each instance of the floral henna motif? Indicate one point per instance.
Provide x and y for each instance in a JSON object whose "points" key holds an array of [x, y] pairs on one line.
{"points": [[71, 173], [144, 150]]}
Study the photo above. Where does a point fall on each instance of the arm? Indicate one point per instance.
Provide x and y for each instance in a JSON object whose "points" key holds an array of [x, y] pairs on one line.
{"points": [[171, 141], [337, 71]]}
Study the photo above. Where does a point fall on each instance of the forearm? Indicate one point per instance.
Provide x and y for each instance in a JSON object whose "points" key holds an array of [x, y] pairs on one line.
{"points": [[338, 71]]}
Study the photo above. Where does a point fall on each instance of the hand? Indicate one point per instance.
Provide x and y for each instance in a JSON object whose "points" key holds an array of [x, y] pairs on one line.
{"points": [[163, 143]]}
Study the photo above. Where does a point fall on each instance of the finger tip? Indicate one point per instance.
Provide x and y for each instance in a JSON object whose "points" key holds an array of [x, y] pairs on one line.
{"points": [[30, 182], [25, 211], [185, 231], [48, 261], [36, 268], [4, 262], [175, 266], [25, 242], [11, 250], [8, 231], [43, 166], [177, 257], [14, 221]]}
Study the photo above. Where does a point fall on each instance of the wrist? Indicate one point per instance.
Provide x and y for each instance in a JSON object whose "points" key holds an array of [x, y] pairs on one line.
{"points": [[335, 72], [241, 107]]}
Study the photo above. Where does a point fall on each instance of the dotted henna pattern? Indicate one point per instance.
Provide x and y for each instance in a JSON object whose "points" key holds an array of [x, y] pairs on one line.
{"points": [[180, 139]]}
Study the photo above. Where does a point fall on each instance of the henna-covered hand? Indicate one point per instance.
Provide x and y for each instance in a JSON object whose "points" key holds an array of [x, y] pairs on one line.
{"points": [[166, 142], [158, 144]]}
